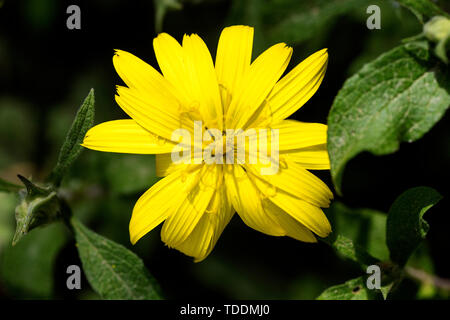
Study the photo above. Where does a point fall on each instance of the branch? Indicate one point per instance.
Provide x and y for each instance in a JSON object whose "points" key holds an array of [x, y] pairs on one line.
{"points": [[424, 277]]}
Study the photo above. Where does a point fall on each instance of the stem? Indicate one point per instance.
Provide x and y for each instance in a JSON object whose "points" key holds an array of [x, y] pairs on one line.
{"points": [[425, 277], [66, 214]]}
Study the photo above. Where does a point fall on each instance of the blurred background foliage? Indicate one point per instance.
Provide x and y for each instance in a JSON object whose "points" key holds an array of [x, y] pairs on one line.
{"points": [[46, 70]]}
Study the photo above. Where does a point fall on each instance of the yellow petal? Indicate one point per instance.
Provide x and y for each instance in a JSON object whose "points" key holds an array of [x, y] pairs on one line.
{"points": [[165, 165], [296, 135], [307, 214], [170, 56], [304, 143], [293, 228], [204, 237], [191, 71], [202, 80], [156, 204], [313, 158], [246, 200], [296, 191], [296, 88], [293, 179], [264, 72], [141, 76], [162, 120], [125, 136], [234, 54], [180, 225]]}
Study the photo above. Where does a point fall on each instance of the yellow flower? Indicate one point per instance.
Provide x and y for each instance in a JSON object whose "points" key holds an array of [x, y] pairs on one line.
{"points": [[197, 200]]}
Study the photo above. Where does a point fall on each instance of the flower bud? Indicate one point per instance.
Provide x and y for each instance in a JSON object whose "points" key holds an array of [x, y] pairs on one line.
{"points": [[37, 206], [437, 29]]}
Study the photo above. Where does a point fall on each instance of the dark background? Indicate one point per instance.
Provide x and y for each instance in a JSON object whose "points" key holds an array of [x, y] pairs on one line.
{"points": [[46, 70]]}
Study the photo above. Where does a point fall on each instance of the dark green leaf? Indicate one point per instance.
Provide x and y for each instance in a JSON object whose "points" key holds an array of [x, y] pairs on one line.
{"points": [[398, 97], [72, 145], [354, 289], [6, 186], [27, 269], [32, 189], [405, 226], [365, 227], [423, 9], [347, 249], [113, 271]]}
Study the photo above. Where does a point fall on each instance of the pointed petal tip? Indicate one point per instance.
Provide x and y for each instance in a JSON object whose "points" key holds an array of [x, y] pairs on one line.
{"points": [[118, 53], [133, 240], [199, 259], [134, 237], [327, 230], [312, 239], [283, 45], [323, 52]]}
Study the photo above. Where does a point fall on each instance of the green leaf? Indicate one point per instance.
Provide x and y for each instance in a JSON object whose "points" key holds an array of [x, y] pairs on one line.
{"points": [[113, 271], [386, 289], [397, 97], [365, 227], [354, 289], [348, 250], [422, 9], [27, 270], [72, 148], [6, 186], [405, 226]]}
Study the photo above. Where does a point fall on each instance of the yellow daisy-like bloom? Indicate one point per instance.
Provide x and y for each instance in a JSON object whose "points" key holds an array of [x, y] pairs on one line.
{"points": [[196, 201]]}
